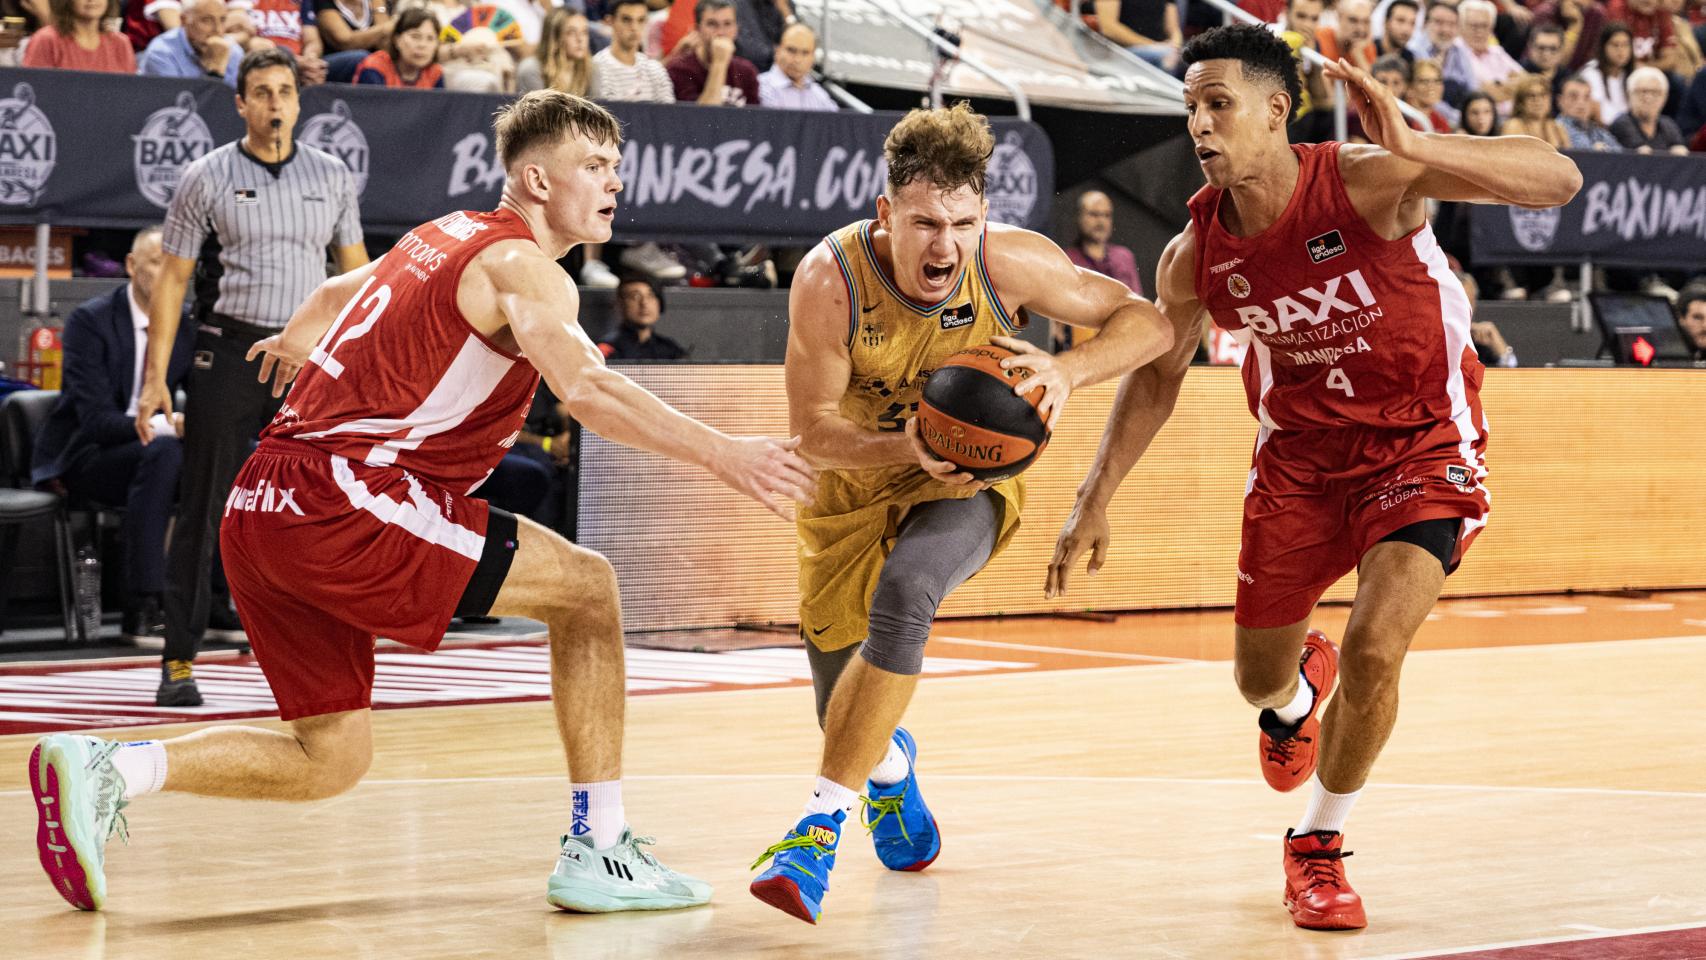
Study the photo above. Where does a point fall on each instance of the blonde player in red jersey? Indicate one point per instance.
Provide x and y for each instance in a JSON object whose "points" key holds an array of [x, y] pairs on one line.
{"points": [[355, 517], [1365, 383]]}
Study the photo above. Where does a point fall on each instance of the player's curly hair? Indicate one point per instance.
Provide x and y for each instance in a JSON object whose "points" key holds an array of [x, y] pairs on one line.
{"points": [[548, 117], [950, 148], [1264, 56]]}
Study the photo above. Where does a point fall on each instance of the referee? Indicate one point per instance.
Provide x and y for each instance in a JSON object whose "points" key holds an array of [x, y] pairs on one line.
{"points": [[259, 213]]}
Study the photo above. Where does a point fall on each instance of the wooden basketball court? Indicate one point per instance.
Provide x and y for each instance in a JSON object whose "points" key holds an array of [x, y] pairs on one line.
{"points": [[1542, 797]]}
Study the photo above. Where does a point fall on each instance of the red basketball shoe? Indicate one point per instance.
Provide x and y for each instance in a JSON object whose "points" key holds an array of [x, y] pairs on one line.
{"points": [[1288, 750], [1316, 891]]}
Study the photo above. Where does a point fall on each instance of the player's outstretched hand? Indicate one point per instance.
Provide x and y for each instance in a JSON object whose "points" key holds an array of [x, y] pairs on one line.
{"points": [[277, 362], [937, 467], [768, 470], [1382, 121], [1086, 529], [1047, 375]]}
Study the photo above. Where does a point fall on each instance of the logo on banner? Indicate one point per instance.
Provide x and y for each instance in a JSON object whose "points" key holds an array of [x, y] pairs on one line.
{"points": [[171, 139], [27, 148], [1534, 229], [1011, 182], [337, 134]]}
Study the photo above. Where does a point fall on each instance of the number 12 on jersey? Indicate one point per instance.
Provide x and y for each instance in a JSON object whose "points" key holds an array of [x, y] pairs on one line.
{"points": [[375, 304]]}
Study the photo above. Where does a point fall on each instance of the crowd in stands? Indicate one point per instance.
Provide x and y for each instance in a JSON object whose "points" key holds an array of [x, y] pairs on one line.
{"points": [[1623, 75], [748, 53]]}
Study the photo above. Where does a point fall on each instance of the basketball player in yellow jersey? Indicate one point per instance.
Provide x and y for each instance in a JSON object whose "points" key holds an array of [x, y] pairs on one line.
{"points": [[873, 310]]}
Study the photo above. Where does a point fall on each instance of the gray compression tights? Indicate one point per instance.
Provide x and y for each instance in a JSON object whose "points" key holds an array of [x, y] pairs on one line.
{"points": [[941, 544]]}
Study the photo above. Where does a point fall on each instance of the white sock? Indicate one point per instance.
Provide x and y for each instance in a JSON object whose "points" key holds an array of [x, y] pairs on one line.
{"points": [[1326, 810], [829, 796], [893, 768], [596, 813], [1299, 706], [142, 764]]}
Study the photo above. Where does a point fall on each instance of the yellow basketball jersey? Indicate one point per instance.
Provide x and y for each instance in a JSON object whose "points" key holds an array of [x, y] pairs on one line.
{"points": [[895, 343]]}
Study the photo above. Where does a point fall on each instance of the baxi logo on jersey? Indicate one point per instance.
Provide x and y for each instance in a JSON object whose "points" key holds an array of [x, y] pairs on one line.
{"points": [[1534, 229], [27, 148], [170, 140], [1010, 183], [1316, 306], [337, 134]]}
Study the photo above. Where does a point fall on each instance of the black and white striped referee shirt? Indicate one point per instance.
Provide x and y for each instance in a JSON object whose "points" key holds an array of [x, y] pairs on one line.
{"points": [[272, 230]]}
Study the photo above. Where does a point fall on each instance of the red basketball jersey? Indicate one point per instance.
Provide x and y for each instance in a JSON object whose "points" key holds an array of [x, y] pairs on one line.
{"points": [[1344, 327], [402, 379]]}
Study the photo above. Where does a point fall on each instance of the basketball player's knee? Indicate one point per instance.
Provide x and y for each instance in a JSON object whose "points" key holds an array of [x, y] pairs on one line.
{"points": [[1369, 668], [589, 585], [339, 756], [902, 610], [1260, 682]]}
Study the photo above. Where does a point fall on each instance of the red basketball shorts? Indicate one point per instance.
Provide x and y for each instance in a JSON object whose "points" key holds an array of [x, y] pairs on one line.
{"points": [[324, 555], [1317, 500]]}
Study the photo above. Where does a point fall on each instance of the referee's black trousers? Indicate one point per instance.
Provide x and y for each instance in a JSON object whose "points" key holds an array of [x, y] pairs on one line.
{"points": [[226, 410]]}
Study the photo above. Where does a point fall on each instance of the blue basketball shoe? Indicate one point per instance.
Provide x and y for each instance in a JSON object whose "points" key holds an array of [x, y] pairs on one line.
{"points": [[798, 876], [901, 826]]}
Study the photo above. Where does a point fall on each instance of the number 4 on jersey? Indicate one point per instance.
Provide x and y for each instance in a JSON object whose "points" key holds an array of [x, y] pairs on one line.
{"points": [[375, 304], [1336, 380]]}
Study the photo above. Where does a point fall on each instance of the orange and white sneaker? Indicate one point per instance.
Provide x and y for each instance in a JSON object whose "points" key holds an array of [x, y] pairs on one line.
{"points": [[1316, 891], [1288, 751]]}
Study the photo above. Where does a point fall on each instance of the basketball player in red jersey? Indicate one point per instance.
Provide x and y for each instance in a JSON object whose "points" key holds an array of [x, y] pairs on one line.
{"points": [[355, 519], [1361, 373]]}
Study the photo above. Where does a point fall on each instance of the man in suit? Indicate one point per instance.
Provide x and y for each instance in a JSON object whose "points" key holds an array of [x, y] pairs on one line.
{"points": [[89, 447]]}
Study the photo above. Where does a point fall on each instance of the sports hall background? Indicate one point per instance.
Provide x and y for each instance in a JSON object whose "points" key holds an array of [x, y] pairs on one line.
{"points": [[1597, 454]]}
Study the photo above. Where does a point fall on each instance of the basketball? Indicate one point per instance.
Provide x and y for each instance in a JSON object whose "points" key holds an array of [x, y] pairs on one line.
{"points": [[971, 417]]}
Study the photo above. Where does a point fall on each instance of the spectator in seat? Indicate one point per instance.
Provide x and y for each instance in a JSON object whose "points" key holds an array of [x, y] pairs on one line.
{"points": [[478, 48], [289, 24], [146, 19], [1096, 251], [1350, 39], [89, 447], [1608, 73], [1651, 30], [1691, 316], [1546, 57], [75, 40], [1398, 28], [1644, 129], [350, 30], [410, 57], [197, 48], [762, 23], [1148, 28], [639, 305], [564, 60], [622, 71], [1437, 41], [1579, 116], [1689, 58], [1427, 86], [1494, 70], [1480, 119], [1582, 22], [789, 84], [706, 69], [1532, 113]]}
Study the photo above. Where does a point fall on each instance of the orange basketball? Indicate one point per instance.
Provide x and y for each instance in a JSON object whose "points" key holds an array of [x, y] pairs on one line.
{"points": [[971, 417]]}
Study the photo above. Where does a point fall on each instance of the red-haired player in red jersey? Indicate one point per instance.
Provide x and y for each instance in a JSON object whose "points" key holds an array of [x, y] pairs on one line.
{"points": [[1362, 375], [356, 517]]}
